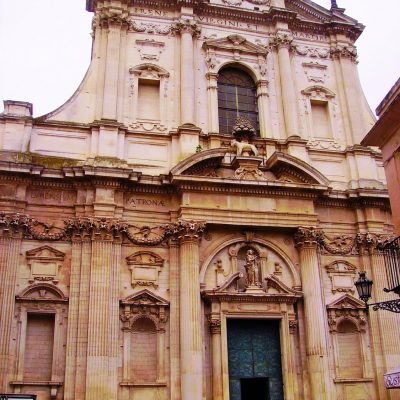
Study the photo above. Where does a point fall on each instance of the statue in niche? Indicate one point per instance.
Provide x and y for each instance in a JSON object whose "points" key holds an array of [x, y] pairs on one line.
{"points": [[252, 270]]}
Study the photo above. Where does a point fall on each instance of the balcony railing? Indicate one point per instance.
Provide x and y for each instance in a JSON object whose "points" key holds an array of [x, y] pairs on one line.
{"points": [[391, 251]]}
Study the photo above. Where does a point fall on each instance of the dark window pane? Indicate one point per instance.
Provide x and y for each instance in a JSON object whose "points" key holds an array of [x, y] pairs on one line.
{"points": [[236, 96]]}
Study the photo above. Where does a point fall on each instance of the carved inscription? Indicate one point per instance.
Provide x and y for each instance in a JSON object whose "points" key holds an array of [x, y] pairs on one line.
{"points": [[48, 196], [228, 23], [310, 36], [137, 202], [151, 12]]}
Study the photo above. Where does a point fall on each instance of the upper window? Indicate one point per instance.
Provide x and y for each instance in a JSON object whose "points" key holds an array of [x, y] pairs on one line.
{"points": [[237, 95]]}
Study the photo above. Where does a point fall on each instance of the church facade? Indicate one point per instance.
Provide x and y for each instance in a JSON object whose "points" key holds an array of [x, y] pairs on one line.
{"points": [[190, 223]]}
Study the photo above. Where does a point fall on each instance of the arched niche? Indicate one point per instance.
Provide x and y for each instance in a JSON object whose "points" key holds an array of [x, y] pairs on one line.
{"points": [[228, 258]]}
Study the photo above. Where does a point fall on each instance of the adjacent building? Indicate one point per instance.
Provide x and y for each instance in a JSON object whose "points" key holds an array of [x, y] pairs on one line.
{"points": [[190, 223]]}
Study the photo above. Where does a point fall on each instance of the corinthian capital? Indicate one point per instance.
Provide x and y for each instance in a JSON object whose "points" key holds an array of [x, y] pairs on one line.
{"points": [[186, 25], [308, 237], [108, 16], [14, 225], [186, 230], [282, 39], [214, 324]]}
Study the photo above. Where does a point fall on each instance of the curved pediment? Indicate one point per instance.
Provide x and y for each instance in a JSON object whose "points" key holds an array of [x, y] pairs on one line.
{"points": [[222, 163]]}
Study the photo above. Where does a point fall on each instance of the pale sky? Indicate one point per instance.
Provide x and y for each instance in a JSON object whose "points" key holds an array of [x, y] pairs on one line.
{"points": [[45, 48]]}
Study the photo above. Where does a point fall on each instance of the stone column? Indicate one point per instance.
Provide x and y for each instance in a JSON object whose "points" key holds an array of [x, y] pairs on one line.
{"points": [[283, 40], [114, 21], [101, 376], [215, 329], [174, 318], [73, 314], [212, 91], [346, 57], [263, 108], [188, 29], [191, 345], [314, 314], [11, 234]]}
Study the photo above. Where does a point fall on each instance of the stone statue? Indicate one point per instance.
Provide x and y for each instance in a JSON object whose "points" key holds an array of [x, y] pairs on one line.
{"points": [[244, 148], [251, 267]]}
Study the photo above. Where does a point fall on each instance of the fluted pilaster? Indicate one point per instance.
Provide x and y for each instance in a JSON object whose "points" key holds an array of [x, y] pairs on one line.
{"points": [[215, 329], [102, 350], [282, 42], [73, 321], [10, 246], [188, 29], [314, 314], [189, 233]]}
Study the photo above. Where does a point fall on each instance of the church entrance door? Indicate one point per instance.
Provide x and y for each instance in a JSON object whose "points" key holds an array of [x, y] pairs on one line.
{"points": [[254, 360]]}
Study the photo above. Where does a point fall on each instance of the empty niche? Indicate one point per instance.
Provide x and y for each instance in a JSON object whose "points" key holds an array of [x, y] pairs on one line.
{"points": [[149, 99]]}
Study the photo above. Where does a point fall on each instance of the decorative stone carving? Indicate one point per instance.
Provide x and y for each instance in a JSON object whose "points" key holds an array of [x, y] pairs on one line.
{"points": [[347, 307], [234, 3], [149, 28], [235, 47], [97, 229], [318, 92], [145, 268], [150, 49], [315, 71], [342, 275], [187, 230], [44, 263], [186, 25], [313, 52], [144, 304], [307, 237], [293, 325], [149, 71], [282, 39], [110, 16], [338, 244], [252, 267], [340, 51], [214, 323]]}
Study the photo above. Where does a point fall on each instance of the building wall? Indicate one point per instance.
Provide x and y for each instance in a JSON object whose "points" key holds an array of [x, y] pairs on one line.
{"points": [[129, 224]]}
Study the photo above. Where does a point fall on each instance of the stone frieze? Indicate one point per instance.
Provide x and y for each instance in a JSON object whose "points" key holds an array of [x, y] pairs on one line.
{"points": [[91, 228]]}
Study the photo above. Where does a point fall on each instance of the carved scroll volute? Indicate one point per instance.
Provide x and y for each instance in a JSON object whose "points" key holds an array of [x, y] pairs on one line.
{"points": [[307, 237], [233, 252], [187, 231]]}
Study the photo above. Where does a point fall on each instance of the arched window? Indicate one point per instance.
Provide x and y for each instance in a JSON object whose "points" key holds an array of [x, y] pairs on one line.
{"points": [[236, 96], [349, 349]]}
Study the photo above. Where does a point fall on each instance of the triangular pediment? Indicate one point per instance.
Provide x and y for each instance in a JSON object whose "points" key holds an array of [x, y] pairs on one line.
{"points": [[307, 10], [145, 297], [346, 302], [235, 43], [45, 252]]}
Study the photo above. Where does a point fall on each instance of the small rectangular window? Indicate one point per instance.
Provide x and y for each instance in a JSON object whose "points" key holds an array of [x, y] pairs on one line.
{"points": [[149, 99], [320, 119]]}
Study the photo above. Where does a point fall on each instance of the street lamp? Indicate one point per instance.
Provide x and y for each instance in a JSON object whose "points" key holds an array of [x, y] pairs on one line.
{"points": [[364, 287]]}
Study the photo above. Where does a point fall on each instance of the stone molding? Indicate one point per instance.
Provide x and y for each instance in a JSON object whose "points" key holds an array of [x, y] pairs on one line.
{"points": [[97, 229]]}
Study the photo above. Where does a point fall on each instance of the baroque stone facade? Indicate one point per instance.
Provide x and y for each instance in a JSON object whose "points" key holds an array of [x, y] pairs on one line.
{"points": [[142, 218]]}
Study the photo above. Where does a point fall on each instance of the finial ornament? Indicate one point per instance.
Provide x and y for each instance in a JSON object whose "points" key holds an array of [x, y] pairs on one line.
{"points": [[334, 4]]}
